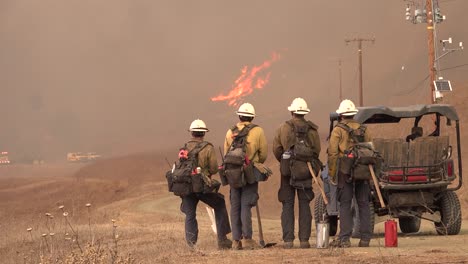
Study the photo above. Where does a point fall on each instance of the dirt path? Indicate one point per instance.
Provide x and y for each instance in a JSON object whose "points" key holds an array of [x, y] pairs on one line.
{"points": [[151, 227], [422, 247]]}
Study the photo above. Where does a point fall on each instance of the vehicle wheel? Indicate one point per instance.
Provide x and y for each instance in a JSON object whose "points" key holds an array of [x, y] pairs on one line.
{"points": [[357, 223], [450, 212], [319, 209], [409, 224]]}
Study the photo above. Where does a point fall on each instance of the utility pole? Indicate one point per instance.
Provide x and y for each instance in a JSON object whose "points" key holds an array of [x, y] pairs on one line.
{"points": [[430, 44], [359, 41], [431, 16]]}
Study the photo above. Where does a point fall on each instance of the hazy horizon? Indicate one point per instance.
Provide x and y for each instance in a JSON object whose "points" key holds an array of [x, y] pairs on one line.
{"points": [[128, 76]]}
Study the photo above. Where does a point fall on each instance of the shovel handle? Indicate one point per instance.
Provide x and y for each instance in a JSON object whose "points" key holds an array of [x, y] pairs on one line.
{"points": [[325, 199], [376, 185], [260, 229]]}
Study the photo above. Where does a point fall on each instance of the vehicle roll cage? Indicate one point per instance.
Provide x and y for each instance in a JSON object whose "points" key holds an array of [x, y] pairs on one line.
{"points": [[384, 114]]}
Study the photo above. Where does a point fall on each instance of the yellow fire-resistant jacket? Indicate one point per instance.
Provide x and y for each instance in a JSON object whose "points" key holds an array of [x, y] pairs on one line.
{"points": [[285, 138], [256, 146], [339, 142], [207, 160]]}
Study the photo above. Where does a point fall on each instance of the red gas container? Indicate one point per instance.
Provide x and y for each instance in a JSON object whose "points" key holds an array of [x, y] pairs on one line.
{"points": [[391, 234]]}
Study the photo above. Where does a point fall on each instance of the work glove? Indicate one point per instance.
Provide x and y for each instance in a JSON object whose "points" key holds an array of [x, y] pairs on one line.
{"points": [[263, 169]]}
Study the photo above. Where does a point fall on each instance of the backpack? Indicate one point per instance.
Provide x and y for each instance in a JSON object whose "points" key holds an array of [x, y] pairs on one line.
{"points": [[301, 153], [237, 169], [184, 178], [359, 156]]}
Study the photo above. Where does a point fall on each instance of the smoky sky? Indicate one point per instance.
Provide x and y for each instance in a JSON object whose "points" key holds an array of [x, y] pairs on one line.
{"points": [[124, 76]]}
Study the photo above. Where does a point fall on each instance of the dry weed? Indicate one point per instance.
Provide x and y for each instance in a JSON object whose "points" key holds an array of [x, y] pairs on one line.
{"points": [[51, 247]]}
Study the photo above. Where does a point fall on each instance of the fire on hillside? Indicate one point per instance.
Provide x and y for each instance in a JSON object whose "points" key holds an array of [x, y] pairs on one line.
{"points": [[255, 77]]}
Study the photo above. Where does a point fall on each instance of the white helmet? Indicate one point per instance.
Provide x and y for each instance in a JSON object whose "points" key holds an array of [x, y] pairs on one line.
{"points": [[246, 109], [299, 106], [347, 108], [198, 125]]}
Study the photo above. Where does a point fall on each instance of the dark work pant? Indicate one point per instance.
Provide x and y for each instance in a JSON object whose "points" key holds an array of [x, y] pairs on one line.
{"points": [[242, 201], [361, 191], [287, 195], [189, 208]]}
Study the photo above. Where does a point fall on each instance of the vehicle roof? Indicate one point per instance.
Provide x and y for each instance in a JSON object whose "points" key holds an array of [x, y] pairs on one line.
{"points": [[384, 114]]}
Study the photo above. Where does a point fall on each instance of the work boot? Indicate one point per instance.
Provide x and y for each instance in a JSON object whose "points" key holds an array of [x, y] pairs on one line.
{"points": [[250, 244], [304, 244], [343, 243], [237, 245], [364, 243], [288, 244], [224, 243]]}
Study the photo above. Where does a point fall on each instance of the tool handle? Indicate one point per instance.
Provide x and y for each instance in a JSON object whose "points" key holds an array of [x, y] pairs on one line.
{"points": [[325, 199], [377, 187], [260, 229]]}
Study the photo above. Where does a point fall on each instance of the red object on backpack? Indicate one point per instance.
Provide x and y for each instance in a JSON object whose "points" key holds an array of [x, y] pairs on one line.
{"points": [[183, 154], [247, 161], [391, 234]]}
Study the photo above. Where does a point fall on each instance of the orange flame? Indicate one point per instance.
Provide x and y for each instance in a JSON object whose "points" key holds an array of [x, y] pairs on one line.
{"points": [[247, 81]]}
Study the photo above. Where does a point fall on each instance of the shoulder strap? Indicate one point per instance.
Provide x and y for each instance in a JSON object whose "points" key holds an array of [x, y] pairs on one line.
{"points": [[308, 125], [194, 152], [245, 131], [312, 125], [345, 127], [351, 131], [296, 130]]}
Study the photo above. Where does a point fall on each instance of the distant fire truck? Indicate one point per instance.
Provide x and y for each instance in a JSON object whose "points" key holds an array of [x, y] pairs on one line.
{"points": [[82, 157], [4, 160]]}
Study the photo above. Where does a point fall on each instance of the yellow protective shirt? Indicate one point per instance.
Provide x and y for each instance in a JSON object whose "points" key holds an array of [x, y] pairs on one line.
{"points": [[339, 142], [256, 146], [207, 160]]}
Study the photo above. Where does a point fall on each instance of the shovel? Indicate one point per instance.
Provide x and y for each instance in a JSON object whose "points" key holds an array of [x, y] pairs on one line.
{"points": [[260, 231], [325, 199], [211, 215], [376, 185]]}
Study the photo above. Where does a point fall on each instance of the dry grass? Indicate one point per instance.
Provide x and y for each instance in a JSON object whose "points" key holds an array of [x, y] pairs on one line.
{"points": [[56, 239], [150, 226]]}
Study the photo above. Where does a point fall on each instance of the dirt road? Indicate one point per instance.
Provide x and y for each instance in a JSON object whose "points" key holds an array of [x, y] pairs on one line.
{"points": [[422, 247], [151, 226]]}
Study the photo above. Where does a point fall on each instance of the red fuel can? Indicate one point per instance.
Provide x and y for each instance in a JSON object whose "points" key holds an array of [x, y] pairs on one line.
{"points": [[391, 233]]}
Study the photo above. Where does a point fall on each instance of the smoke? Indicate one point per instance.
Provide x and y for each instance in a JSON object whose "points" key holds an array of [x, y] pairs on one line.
{"points": [[123, 76]]}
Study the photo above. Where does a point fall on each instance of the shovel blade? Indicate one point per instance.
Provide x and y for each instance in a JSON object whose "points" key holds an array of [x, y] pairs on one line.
{"points": [[269, 245]]}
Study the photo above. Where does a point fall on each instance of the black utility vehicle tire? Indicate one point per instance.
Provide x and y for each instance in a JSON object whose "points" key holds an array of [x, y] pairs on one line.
{"points": [[319, 209], [450, 212], [357, 223], [409, 224]]}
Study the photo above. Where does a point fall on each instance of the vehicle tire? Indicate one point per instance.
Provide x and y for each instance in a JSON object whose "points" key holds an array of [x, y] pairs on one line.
{"points": [[357, 223], [409, 224], [319, 209], [450, 212]]}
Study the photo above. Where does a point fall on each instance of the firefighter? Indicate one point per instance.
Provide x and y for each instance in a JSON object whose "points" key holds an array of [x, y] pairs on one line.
{"points": [[208, 164], [339, 142], [285, 144], [245, 197]]}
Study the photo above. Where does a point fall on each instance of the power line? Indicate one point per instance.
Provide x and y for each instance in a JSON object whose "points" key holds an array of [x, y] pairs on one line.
{"points": [[454, 67], [418, 85]]}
